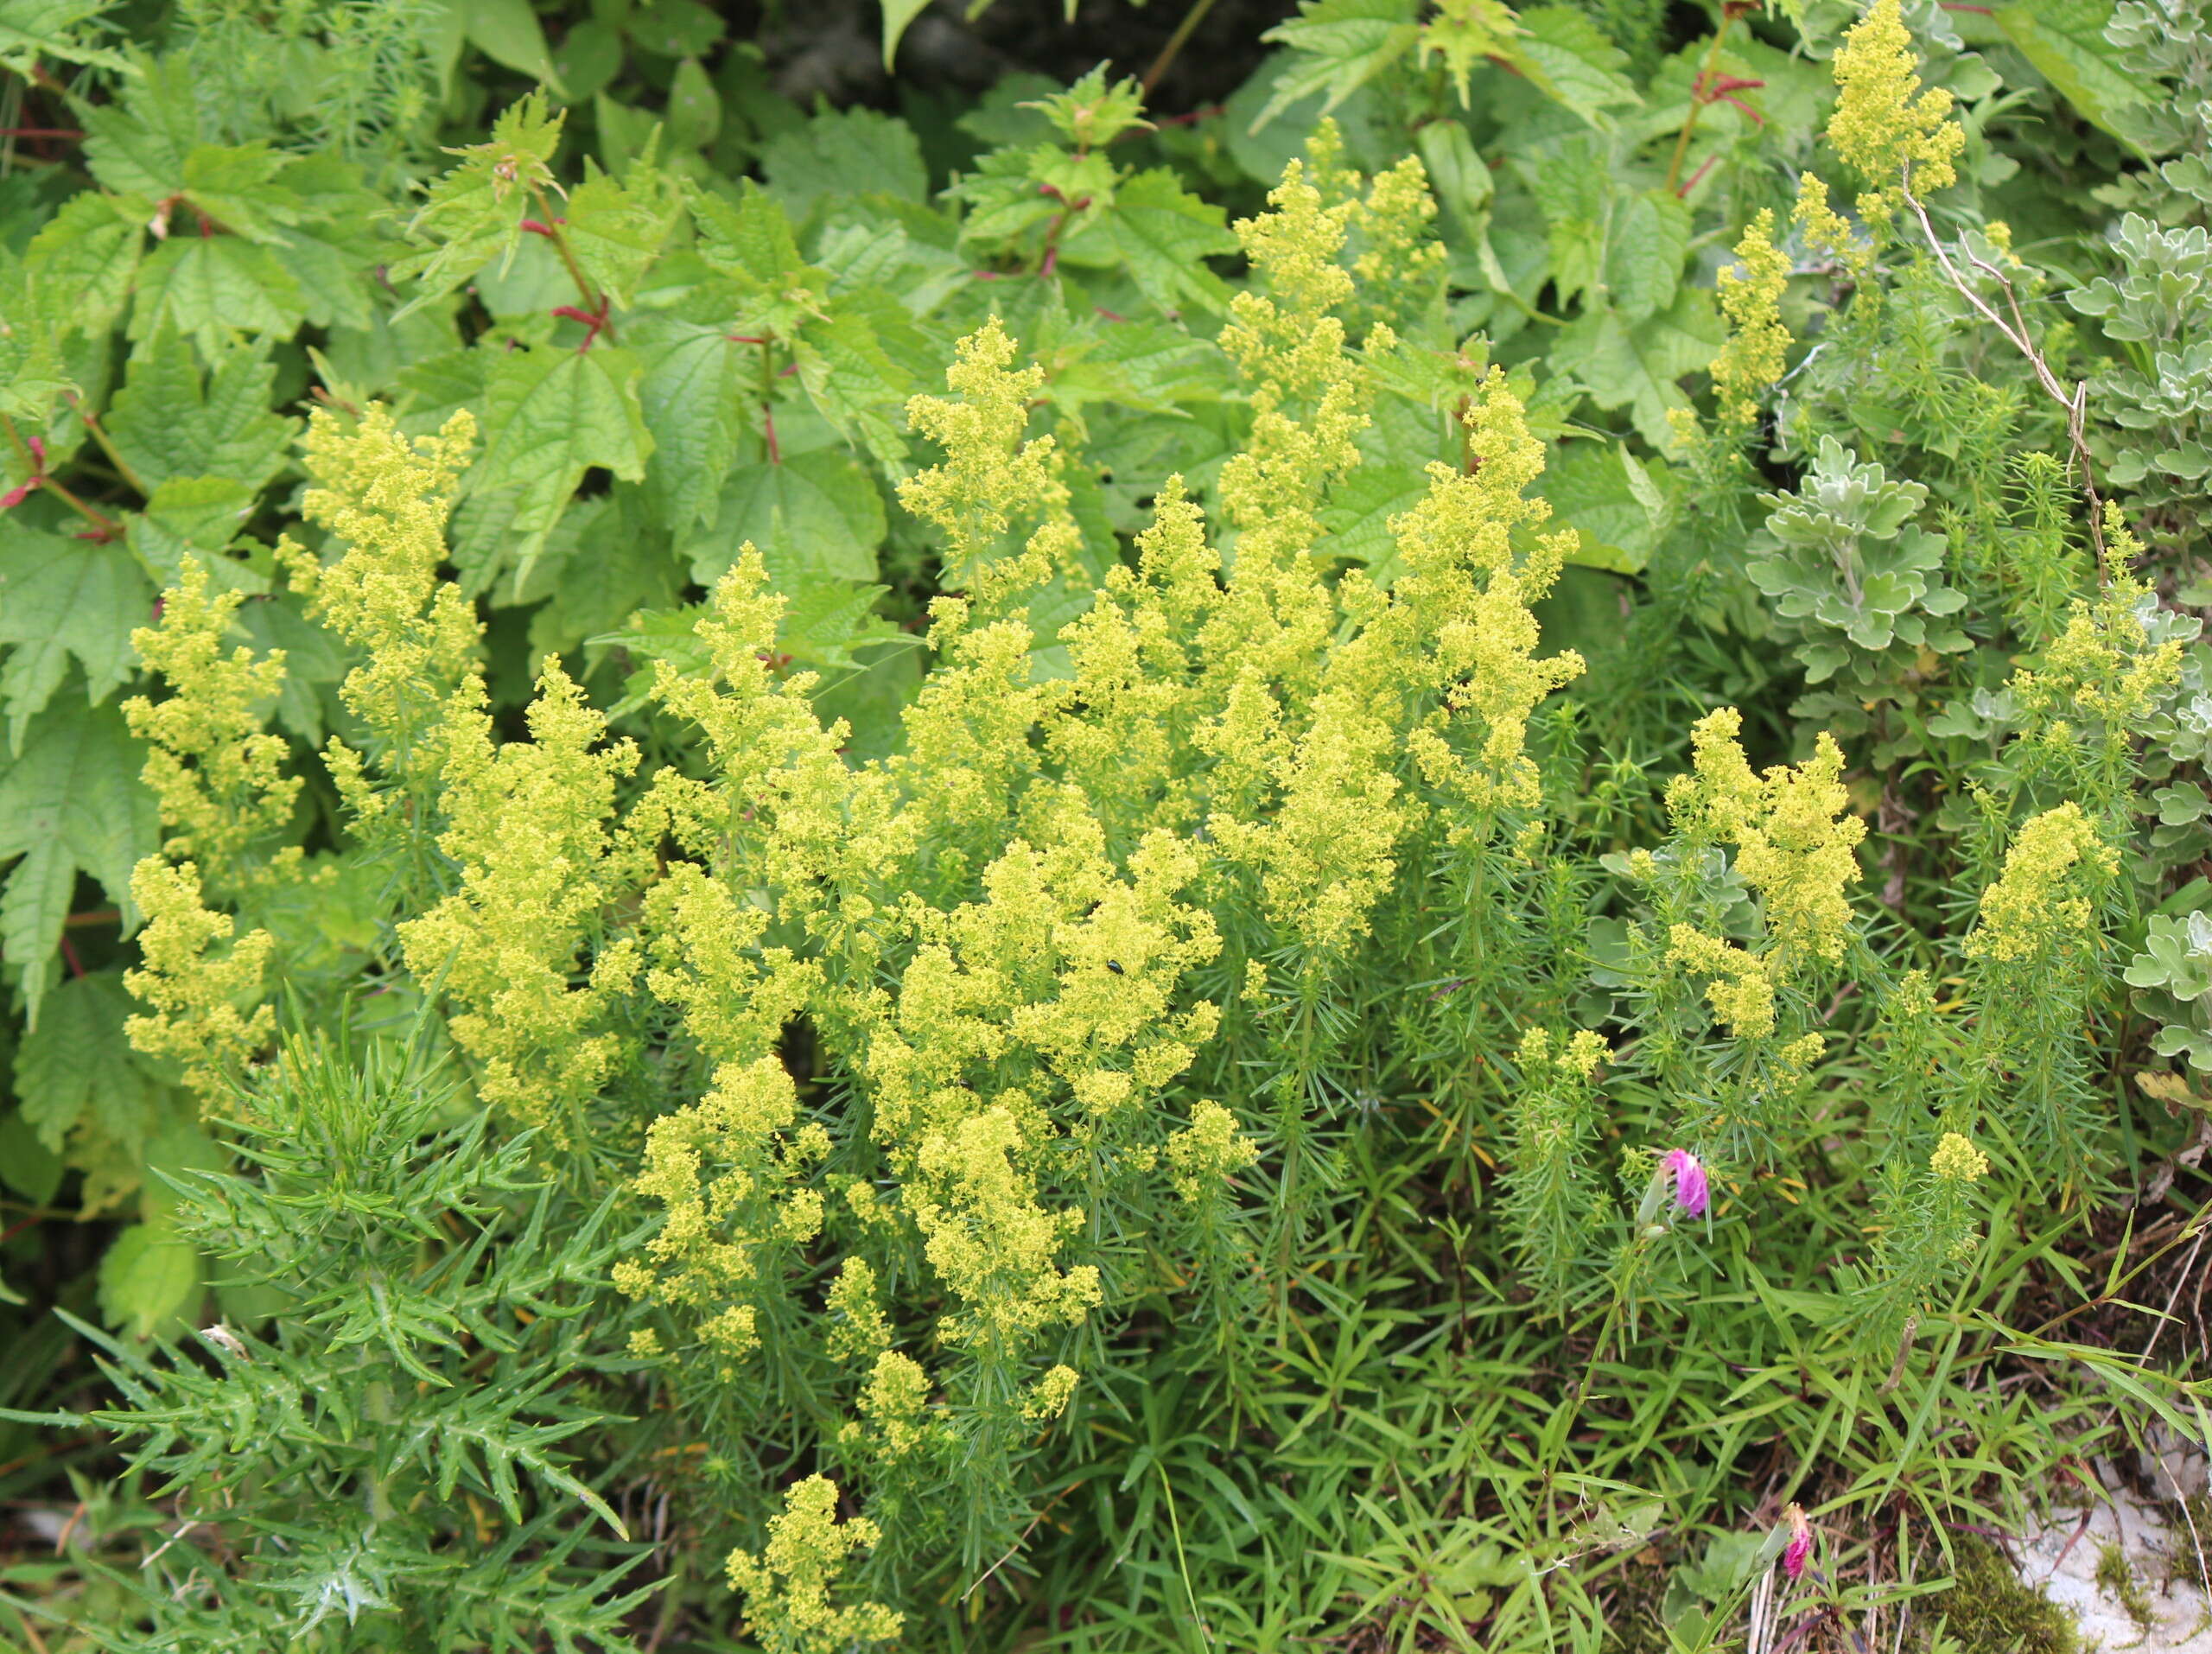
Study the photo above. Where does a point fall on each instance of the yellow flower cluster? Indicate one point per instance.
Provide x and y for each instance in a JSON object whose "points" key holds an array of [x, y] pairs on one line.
{"points": [[1883, 123], [1752, 360], [527, 826], [1794, 840], [1957, 1160], [203, 988], [218, 773], [1739, 986], [2028, 910], [1208, 1151], [385, 500], [788, 1585]]}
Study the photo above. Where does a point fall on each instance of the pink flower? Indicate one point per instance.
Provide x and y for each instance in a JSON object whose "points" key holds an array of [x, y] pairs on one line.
{"points": [[1691, 1193], [1800, 1546]]}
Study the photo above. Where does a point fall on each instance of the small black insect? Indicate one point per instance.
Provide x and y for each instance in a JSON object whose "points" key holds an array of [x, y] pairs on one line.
{"points": [[1115, 965]]}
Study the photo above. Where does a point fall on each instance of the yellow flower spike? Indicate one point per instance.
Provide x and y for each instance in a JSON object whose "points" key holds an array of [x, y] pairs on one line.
{"points": [[194, 973], [1752, 360], [1957, 1160], [216, 770], [2027, 910], [1883, 123], [789, 1583]]}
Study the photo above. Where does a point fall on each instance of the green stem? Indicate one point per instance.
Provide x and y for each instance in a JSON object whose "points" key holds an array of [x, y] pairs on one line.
{"points": [[1176, 43], [98, 434]]}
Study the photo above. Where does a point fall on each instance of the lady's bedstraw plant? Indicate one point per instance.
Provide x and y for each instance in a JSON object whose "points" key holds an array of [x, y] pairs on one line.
{"points": [[1172, 1060]]}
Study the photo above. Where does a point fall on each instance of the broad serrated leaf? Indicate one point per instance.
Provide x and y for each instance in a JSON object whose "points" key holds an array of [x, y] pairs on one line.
{"points": [[84, 259], [2065, 41], [815, 516], [70, 802], [62, 599], [214, 288], [1564, 56], [845, 152], [76, 1067], [1164, 234], [1601, 490], [1340, 45], [53, 29], [1359, 511], [167, 422], [1636, 364], [1651, 236], [616, 229], [693, 397], [138, 143], [196, 516], [475, 213], [550, 415], [148, 1275]]}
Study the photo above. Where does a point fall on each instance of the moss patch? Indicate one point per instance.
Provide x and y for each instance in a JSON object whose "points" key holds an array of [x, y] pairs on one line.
{"points": [[1989, 1612]]}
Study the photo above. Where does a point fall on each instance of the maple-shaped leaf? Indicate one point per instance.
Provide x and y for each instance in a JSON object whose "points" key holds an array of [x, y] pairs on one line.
{"points": [[1636, 364], [53, 30], [76, 1067], [169, 421], [814, 516], [1341, 44], [1163, 234], [617, 230], [845, 152], [84, 259], [213, 288], [1465, 33], [475, 214], [31, 370], [138, 143], [750, 241], [693, 395], [62, 599], [551, 415], [70, 802]]}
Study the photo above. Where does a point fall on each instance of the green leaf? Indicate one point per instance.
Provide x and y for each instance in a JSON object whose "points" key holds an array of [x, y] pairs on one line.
{"points": [[475, 214], [815, 516], [897, 14], [1565, 57], [1359, 509], [31, 29], [550, 415], [617, 230], [138, 143], [1163, 234], [1644, 253], [1635, 365], [214, 288], [86, 256], [695, 108], [196, 515], [28, 1165], [70, 801], [1341, 44], [2064, 40], [845, 152], [693, 395], [508, 32], [59, 599], [167, 422], [149, 1276], [1600, 489], [77, 1068]]}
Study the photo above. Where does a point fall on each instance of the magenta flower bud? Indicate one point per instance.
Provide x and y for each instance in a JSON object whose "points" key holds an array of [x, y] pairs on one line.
{"points": [[1799, 1547], [1691, 1193]]}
